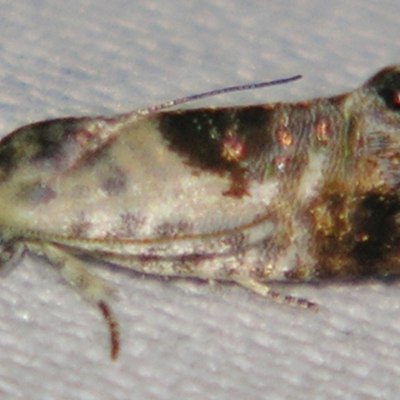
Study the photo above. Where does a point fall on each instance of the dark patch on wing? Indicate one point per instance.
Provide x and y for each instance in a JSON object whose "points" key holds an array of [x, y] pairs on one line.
{"points": [[80, 229], [130, 223], [45, 141], [376, 225], [197, 134], [204, 138], [363, 236], [113, 181], [37, 193], [171, 230]]}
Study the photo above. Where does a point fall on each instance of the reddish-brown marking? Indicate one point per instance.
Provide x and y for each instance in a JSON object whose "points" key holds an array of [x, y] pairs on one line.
{"points": [[323, 130], [84, 136], [114, 330], [232, 147], [239, 184], [304, 103], [284, 136]]}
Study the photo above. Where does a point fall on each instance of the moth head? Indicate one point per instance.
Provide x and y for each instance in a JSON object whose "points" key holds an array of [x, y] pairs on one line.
{"points": [[375, 117], [385, 86], [374, 111], [376, 105]]}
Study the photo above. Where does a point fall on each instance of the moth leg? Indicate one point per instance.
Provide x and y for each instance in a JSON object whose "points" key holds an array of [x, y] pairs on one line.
{"points": [[10, 255], [264, 290], [90, 286]]}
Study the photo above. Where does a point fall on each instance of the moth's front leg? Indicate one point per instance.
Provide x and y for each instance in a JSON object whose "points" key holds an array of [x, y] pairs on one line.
{"points": [[10, 254], [90, 286]]}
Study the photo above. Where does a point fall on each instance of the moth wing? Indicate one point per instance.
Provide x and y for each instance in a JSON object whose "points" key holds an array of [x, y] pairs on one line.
{"points": [[119, 187]]}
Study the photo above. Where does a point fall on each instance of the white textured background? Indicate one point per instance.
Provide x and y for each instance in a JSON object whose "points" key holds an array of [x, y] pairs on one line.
{"points": [[184, 340]]}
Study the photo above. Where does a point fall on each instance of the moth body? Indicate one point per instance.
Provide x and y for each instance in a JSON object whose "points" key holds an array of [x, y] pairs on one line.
{"points": [[283, 192]]}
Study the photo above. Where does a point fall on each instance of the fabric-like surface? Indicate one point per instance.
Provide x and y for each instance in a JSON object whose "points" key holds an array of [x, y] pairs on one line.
{"points": [[184, 339]]}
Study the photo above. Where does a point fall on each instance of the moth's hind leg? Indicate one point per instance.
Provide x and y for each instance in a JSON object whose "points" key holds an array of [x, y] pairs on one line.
{"points": [[90, 286], [265, 290]]}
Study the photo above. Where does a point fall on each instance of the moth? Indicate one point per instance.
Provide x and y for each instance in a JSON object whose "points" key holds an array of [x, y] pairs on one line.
{"points": [[253, 194]]}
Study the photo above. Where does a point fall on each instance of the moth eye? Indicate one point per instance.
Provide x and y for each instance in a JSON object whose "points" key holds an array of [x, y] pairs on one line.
{"points": [[386, 85], [396, 97], [390, 94]]}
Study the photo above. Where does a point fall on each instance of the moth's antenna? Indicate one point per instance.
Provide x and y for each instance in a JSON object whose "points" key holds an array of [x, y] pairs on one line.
{"points": [[211, 93]]}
